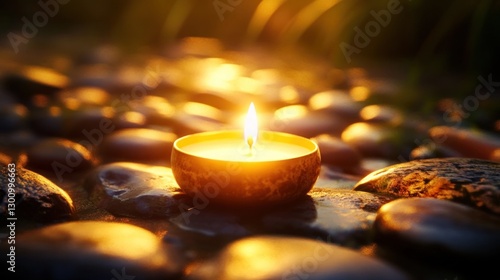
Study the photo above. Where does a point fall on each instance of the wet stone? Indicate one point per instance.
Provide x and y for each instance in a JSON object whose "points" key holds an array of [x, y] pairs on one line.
{"points": [[52, 152], [37, 198], [381, 114], [334, 215], [439, 229], [472, 182], [95, 250], [138, 144], [466, 142], [135, 190], [272, 257], [335, 152]]}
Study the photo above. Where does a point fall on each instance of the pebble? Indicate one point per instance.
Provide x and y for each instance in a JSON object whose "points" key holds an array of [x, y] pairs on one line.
{"points": [[299, 120], [48, 121], [37, 198], [336, 102], [472, 182], [95, 250], [378, 140], [336, 152], [274, 257], [91, 124], [433, 151], [156, 109], [334, 215], [381, 114], [466, 142], [57, 151], [135, 190], [138, 144], [438, 229], [32, 80], [12, 117], [83, 97]]}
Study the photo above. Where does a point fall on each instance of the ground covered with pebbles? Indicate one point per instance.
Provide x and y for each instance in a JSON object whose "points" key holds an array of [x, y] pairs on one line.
{"points": [[401, 195]]}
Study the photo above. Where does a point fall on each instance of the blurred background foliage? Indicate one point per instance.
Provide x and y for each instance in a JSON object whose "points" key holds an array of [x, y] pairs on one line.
{"points": [[433, 39]]}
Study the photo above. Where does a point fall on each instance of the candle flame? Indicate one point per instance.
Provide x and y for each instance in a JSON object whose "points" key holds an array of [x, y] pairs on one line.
{"points": [[251, 126]]}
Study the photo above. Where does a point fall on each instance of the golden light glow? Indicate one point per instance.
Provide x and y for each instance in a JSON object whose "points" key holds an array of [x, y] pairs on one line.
{"points": [[359, 93], [251, 127]]}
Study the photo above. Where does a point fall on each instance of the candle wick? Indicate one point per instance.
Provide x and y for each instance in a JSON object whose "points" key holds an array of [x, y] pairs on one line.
{"points": [[250, 142]]}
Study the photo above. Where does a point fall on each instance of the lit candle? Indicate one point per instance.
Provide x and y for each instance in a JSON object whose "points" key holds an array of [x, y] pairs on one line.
{"points": [[246, 169]]}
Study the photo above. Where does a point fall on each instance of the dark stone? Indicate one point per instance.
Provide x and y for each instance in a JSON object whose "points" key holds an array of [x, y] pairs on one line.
{"points": [[381, 114], [37, 198], [438, 229], [83, 97], [272, 257], [138, 144], [32, 80], [335, 152], [48, 121], [135, 190], [12, 117], [97, 122], [337, 103], [378, 140], [95, 250], [50, 151], [468, 181]]}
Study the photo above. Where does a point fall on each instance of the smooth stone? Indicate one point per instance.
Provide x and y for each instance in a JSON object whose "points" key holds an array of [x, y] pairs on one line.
{"points": [[156, 109], [369, 165], [37, 198], [336, 102], [466, 142], [438, 229], [336, 152], [472, 182], [433, 151], [130, 119], [51, 152], [299, 120], [31, 80], [135, 190], [12, 117], [83, 96], [138, 144], [95, 250], [97, 122], [184, 124], [381, 114], [225, 102], [274, 257], [334, 215], [48, 121], [378, 140]]}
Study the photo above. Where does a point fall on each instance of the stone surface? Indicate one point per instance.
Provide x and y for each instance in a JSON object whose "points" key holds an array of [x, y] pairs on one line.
{"points": [[89, 123], [474, 144], [31, 80], [272, 257], [381, 114], [83, 97], [12, 117], [433, 151], [95, 250], [378, 140], [37, 198], [57, 151], [135, 190], [472, 182], [438, 229], [335, 152], [138, 144], [334, 215]]}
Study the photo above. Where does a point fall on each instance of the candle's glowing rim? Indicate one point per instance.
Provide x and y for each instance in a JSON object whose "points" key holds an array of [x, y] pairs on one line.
{"points": [[237, 134]]}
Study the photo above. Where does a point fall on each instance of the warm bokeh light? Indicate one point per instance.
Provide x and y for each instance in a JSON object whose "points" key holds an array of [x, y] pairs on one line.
{"points": [[251, 126]]}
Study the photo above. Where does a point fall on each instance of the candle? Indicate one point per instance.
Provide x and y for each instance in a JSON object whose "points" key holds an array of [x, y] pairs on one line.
{"points": [[246, 168]]}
